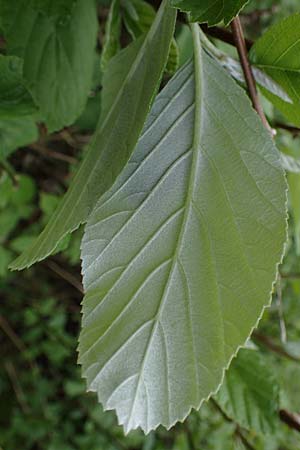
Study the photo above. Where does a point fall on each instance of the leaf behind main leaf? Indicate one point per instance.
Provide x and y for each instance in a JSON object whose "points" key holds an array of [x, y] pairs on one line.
{"points": [[115, 137], [58, 53], [211, 11], [277, 53], [180, 255], [250, 393]]}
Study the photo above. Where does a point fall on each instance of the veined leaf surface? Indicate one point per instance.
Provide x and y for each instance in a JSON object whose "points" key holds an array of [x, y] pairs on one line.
{"points": [[211, 11], [180, 255], [135, 78], [277, 53], [58, 54], [250, 393]]}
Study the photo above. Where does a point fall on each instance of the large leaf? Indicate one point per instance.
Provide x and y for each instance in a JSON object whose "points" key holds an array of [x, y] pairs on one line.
{"points": [[211, 11], [58, 56], [277, 53], [180, 255], [250, 393], [135, 82]]}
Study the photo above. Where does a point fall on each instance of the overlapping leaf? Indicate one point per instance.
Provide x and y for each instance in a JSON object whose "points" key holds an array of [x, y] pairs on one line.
{"points": [[180, 255], [138, 18], [294, 193], [277, 53], [17, 109], [112, 34], [134, 77], [250, 393], [58, 55], [211, 11]]}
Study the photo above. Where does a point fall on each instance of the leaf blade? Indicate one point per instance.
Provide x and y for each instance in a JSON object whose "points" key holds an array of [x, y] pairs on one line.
{"points": [[211, 11], [127, 115], [58, 54], [276, 54], [250, 393], [163, 282]]}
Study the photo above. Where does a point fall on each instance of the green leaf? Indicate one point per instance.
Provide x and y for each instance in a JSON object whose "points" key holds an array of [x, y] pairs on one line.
{"points": [[180, 255], [116, 136], [211, 11], [289, 163], [277, 53], [138, 18], [262, 79], [5, 258], [15, 99], [112, 34], [17, 109], [15, 133], [185, 44], [250, 393], [58, 56], [294, 196], [60, 9]]}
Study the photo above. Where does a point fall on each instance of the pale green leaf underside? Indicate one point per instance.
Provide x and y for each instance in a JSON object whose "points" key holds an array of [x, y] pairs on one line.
{"points": [[180, 255], [135, 81], [210, 11], [250, 394], [277, 53]]}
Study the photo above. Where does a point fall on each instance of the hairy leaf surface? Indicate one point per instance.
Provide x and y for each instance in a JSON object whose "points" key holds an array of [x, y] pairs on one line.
{"points": [[135, 81], [250, 393], [211, 11], [277, 53], [180, 255]]}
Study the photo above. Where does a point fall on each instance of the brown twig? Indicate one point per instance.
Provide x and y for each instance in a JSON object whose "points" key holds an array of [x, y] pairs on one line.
{"points": [[52, 154], [223, 35], [12, 335], [275, 348], [295, 131], [290, 276], [9, 367], [249, 78], [238, 430], [62, 273], [290, 419]]}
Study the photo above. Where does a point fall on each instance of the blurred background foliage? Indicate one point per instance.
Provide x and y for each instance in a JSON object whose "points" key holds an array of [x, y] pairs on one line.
{"points": [[43, 404]]}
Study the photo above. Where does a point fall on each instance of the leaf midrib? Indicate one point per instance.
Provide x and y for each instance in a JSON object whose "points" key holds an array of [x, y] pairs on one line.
{"points": [[194, 165]]}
